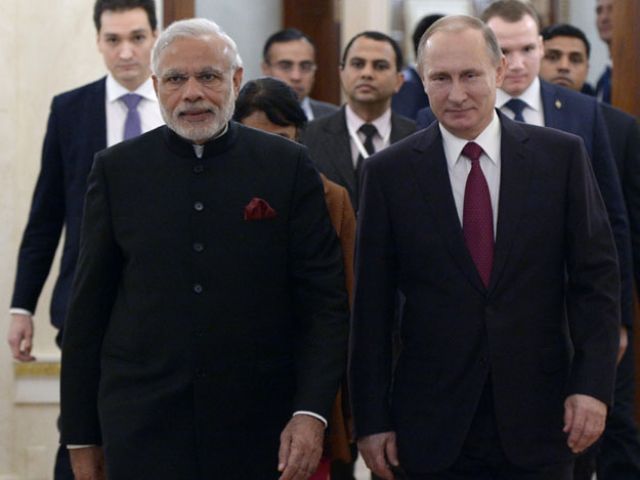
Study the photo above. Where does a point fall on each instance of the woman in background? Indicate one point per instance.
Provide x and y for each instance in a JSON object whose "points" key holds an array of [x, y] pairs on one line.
{"points": [[271, 105]]}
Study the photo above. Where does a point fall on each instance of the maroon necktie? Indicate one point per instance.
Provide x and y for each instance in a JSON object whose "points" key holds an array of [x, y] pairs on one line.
{"points": [[477, 217]]}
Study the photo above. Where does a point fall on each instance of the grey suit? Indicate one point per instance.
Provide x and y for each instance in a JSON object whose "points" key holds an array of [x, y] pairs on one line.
{"points": [[329, 145], [322, 109]]}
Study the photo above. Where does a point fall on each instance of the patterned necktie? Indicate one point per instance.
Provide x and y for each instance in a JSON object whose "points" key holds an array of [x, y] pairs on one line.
{"points": [[477, 217], [517, 106], [369, 130], [132, 127]]}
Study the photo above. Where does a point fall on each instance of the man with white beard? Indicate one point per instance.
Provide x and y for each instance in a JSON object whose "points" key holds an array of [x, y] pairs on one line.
{"points": [[207, 328]]}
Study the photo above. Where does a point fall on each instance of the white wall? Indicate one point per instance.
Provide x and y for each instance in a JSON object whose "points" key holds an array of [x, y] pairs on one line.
{"points": [[582, 14], [248, 22]]}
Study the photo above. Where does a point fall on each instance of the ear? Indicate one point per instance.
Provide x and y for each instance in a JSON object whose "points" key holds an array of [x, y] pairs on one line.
{"points": [[154, 79], [399, 81], [501, 70], [237, 80], [266, 68]]}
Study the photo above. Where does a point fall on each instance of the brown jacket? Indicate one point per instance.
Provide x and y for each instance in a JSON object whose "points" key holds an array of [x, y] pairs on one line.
{"points": [[343, 220]]}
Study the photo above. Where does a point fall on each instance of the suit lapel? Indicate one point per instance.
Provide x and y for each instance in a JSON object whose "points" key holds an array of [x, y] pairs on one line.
{"points": [[515, 177], [398, 132], [552, 104], [339, 149], [432, 176], [96, 117]]}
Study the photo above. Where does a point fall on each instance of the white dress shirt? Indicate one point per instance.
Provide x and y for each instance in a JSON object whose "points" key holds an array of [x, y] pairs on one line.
{"points": [[459, 166], [305, 104], [148, 108], [534, 112], [380, 139]]}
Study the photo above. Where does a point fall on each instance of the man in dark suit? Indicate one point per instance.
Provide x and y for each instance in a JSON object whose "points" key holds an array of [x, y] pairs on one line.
{"points": [[508, 346], [566, 62], [207, 328], [411, 97], [370, 73], [290, 56], [604, 23], [82, 122]]}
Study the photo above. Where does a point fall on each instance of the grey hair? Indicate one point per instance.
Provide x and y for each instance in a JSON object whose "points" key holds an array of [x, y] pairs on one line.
{"points": [[458, 23], [194, 28]]}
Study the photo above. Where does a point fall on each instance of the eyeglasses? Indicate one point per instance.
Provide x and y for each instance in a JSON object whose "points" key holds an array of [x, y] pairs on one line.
{"points": [[288, 66]]}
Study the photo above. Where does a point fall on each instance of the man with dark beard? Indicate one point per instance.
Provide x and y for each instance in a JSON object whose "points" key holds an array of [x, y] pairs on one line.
{"points": [[207, 328]]}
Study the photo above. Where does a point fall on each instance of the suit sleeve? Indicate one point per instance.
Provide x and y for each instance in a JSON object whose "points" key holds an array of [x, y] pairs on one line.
{"points": [[347, 240], [606, 174], [319, 295], [593, 289], [46, 219], [94, 290], [631, 187], [370, 354]]}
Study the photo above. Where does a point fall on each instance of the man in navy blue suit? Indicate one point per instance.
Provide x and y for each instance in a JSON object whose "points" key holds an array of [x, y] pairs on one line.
{"points": [[82, 122], [566, 62]]}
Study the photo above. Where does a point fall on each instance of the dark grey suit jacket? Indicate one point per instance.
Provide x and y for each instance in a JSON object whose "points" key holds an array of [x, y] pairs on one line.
{"points": [[330, 146], [321, 109]]}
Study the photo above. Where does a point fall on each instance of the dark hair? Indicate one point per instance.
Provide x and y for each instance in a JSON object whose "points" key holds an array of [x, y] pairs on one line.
{"points": [[101, 6], [275, 98], [283, 36], [379, 37], [422, 26], [566, 30], [511, 11]]}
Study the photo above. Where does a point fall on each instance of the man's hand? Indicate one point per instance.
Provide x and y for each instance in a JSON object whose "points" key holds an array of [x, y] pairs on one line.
{"points": [[300, 447], [88, 463], [624, 343], [379, 451], [20, 337], [584, 419]]}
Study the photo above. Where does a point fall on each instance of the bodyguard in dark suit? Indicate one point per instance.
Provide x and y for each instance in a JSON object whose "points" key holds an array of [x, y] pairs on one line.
{"points": [[370, 75], [206, 332], [81, 122], [508, 345], [566, 61], [525, 97]]}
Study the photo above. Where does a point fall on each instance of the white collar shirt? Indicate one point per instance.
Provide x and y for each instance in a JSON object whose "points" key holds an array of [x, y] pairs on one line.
{"points": [[534, 112], [116, 110], [459, 166], [380, 139]]}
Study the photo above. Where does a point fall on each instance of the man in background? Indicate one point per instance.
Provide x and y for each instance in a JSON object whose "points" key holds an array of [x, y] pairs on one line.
{"points": [[82, 122], [566, 63], [370, 73], [604, 23], [290, 55], [411, 97]]}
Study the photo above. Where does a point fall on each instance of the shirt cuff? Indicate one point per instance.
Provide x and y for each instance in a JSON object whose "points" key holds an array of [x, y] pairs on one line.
{"points": [[311, 414], [20, 311], [75, 447]]}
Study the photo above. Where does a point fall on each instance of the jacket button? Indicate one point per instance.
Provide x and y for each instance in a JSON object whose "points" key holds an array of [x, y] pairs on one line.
{"points": [[198, 247], [197, 288], [198, 168], [198, 206]]}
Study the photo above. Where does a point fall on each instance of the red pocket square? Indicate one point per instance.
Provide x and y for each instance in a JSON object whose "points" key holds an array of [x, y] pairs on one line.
{"points": [[258, 209]]}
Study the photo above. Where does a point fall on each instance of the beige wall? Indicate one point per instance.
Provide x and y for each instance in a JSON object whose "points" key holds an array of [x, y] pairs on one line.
{"points": [[45, 48]]}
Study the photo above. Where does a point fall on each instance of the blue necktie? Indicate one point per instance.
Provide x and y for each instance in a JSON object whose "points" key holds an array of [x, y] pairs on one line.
{"points": [[132, 127], [517, 106]]}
